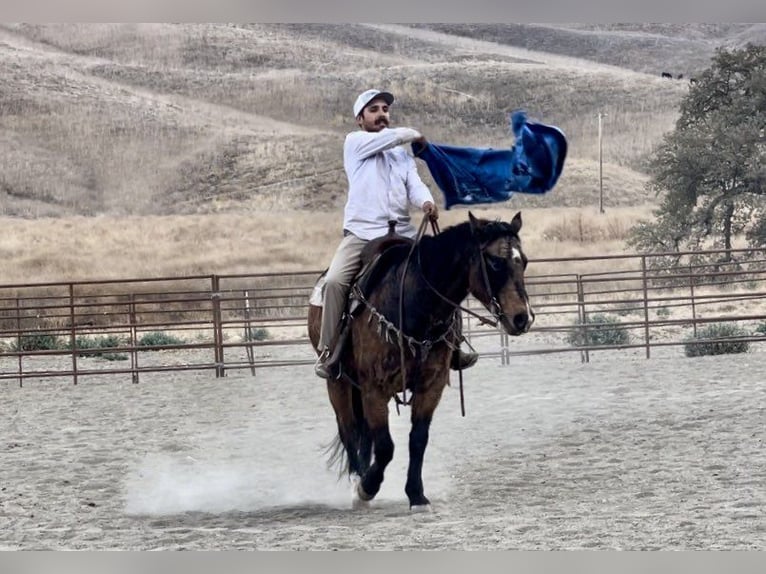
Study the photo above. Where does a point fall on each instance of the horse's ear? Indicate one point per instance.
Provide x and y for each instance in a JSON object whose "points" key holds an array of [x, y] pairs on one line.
{"points": [[474, 222], [516, 223]]}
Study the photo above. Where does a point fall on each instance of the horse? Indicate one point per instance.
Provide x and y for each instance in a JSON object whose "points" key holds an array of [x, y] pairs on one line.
{"points": [[399, 344]]}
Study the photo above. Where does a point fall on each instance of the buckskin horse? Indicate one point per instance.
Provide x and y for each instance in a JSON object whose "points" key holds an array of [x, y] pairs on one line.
{"points": [[399, 344]]}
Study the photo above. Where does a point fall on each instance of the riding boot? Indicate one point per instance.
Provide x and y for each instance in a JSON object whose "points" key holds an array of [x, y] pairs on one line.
{"points": [[461, 360], [325, 367]]}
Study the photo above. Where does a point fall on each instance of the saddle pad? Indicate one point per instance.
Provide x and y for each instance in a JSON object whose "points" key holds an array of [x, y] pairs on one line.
{"points": [[317, 293]]}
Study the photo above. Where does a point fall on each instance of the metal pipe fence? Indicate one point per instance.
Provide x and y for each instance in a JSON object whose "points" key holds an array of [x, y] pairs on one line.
{"points": [[221, 323]]}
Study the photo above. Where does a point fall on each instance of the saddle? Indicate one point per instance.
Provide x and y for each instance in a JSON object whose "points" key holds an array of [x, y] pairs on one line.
{"points": [[381, 244], [377, 257]]}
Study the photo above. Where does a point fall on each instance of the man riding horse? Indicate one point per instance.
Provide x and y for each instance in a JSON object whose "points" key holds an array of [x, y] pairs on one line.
{"points": [[405, 334], [383, 184]]}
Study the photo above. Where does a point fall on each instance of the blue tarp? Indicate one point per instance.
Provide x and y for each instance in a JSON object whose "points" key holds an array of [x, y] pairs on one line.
{"points": [[469, 175]]}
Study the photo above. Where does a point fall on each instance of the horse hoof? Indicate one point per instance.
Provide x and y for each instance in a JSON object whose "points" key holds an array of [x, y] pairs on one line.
{"points": [[360, 498], [420, 508], [362, 494]]}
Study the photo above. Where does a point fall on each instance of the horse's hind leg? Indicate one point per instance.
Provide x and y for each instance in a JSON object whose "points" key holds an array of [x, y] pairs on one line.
{"points": [[376, 413], [423, 407]]}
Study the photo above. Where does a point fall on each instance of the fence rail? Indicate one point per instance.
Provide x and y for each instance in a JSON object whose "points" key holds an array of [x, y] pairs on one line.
{"points": [[227, 322]]}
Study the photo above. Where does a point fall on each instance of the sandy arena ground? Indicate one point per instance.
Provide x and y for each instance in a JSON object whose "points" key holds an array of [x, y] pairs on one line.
{"points": [[620, 453]]}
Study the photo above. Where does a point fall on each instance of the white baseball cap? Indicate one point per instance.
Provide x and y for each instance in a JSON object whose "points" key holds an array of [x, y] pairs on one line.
{"points": [[366, 97]]}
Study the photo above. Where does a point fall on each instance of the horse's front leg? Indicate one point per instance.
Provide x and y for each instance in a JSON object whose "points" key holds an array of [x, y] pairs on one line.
{"points": [[376, 413], [423, 406]]}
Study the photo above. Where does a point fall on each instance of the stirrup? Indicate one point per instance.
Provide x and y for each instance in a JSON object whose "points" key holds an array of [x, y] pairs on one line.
{"points": [[320, 365], [461, 361], [326, 365]]}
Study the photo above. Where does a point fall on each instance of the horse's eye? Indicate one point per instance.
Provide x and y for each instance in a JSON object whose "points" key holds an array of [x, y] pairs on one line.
{"points": [[496, 263]]}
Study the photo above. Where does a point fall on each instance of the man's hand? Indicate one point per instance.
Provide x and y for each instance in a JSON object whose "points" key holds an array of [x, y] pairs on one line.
{"points": [[431, 210], [419, 144]]}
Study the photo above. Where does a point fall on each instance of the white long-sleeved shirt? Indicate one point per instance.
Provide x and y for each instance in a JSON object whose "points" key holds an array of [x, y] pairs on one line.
{"points": [[383, 182]]}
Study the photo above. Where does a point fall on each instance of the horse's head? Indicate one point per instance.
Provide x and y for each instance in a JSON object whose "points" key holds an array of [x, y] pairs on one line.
{"points": [[497, 273]]}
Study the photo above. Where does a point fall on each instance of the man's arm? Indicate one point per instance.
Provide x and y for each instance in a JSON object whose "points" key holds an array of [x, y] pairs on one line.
{"points": [[419, 194], [366, 144]]}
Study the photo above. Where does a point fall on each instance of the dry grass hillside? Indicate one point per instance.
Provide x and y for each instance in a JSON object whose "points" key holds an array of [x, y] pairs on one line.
{"points": [[117, 137], [651, 48]]}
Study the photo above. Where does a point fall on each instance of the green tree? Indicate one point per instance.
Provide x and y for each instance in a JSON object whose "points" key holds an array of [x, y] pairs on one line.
{"points": [[711, 169]]}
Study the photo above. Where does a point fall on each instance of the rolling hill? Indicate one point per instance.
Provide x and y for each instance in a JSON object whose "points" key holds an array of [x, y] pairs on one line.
{"points": [[173, 119]]}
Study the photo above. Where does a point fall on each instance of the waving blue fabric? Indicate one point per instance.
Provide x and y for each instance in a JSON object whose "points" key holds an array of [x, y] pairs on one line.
{"points": [[477, 175]]}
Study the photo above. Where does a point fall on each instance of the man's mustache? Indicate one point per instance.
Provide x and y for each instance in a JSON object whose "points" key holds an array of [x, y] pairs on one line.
{"points": [[381, 121]]}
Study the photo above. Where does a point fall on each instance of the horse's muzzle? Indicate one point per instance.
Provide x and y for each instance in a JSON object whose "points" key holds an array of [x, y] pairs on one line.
{"points": [[519, 324]]}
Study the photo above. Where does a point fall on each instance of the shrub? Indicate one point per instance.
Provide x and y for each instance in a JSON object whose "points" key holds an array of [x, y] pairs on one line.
{"points": [[37, 342], [701, 344], [158, 338], [104, 342], [599, 330], [761, 328], [256, 334]]}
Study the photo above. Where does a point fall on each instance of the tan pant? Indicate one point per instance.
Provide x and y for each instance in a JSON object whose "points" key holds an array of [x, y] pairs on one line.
{"points": [[345, 264]]}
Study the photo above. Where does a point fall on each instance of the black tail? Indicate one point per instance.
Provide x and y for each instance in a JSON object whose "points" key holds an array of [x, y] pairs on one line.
{"points": [[352, 455], [337, 457]]}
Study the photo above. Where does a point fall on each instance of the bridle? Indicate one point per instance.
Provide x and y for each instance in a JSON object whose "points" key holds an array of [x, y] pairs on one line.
{"points": [[495, 307]]}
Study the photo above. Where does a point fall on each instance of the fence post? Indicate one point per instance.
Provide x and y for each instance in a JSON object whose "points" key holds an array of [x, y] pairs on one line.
{"points": [[646, 305], [73, 333], [691, 291], [18, 343], [583, 319], [505, 352], [133, 340], [248, 334], [215, 295]]}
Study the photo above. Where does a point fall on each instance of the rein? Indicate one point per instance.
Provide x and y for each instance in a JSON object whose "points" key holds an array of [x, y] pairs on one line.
{"points": [[497, 309], [415, 243]]}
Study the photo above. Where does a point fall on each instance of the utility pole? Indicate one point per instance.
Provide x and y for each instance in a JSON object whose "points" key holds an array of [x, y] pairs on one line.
{"points": [[600, 168]]}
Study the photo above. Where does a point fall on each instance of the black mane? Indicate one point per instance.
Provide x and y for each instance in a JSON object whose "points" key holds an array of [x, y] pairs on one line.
{"points": [[458, 243]]}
